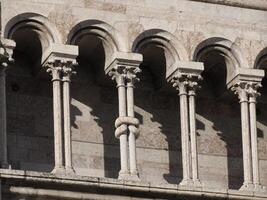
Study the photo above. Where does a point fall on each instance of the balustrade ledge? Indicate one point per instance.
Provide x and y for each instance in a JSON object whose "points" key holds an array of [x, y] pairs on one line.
{"points": [[31, 183]]}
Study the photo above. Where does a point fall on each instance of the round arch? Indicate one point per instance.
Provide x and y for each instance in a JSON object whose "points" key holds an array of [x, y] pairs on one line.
{"points": [[174, 50], [233, 56], [105, 32], [261, 59], [40, 24]]}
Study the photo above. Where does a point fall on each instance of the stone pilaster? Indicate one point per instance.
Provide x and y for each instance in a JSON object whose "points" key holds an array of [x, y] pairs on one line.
{"points": [[6, 52], [185, 77], [59, 61], [123, 69], [245, 84]]}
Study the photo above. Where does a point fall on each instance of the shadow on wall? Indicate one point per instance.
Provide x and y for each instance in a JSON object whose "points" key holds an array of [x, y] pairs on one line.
{"points": [[29, 107], [158, 103], [93, 113], [219, 126]]}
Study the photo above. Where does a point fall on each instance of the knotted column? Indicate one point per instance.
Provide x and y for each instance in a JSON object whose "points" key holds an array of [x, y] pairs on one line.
{"points": [[67, 71], [185, 77], [59, 60], [245, 84], [6, 52], [119, 75], [133, 122], [122, 69]]}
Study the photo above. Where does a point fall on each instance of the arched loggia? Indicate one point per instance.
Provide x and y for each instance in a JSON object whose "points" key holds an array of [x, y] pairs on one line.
{"points": [[157, 107], [94, 101], [29, 95], [218, 113]]}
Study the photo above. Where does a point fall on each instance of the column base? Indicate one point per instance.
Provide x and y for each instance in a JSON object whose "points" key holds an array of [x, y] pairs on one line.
{"points": [[259, 188], [59, 170], [70, 170], [5, 166], [134, 177], [248, 187], [197, 183], [124, 175], [186, 182]]}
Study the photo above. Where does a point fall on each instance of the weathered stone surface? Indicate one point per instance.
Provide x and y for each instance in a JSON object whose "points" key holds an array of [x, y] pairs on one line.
{"points": [[224, 35]]}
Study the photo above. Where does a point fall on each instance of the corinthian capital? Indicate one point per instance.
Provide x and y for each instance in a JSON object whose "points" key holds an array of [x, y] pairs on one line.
{"points": [[124, 66], [118, 73], [59, 60], [131, 75], [185, 76], [246, 82], [6, 52]]}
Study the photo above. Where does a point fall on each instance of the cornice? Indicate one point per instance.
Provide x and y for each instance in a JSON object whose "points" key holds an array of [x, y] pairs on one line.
{"points": [[256, 4]]}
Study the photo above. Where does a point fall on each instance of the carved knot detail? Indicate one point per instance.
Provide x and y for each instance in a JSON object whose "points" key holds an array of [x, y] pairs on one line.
{"points": [[123, 123]]}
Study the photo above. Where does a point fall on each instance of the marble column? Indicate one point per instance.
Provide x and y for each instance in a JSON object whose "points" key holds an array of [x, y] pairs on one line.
{"points": [[193, 86], [59, 59], [133, 123], [55, 69], [185, 77], [253, 94], [245, 84], [6, 52], [67, 71], [240, 90], [119, 75], [122, 68], [182, 87]]}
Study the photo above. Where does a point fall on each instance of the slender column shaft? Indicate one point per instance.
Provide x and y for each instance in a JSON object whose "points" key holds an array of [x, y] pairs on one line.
{"points": [[132, 145], [67, 132], [123, 137], [57, 120], [192, 117], [245, 138], [184, 131], [254, 143], [3, 127]]}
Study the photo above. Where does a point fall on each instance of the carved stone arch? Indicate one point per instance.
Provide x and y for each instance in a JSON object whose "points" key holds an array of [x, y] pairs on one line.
{"points": [[261, 59], [233, 56], [112, 42], [34, 35], [173, 48], [47, 31], [161, 51]]}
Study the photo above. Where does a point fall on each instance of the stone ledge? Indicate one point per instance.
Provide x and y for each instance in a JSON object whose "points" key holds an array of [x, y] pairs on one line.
{"points": [[256, 4], [31, 183]]}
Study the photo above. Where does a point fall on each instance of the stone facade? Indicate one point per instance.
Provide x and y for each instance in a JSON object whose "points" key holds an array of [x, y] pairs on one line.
{"points": [[183, 81]]}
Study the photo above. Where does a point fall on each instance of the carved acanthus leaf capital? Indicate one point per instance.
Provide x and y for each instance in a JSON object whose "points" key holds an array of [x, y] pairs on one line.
{"points": [[131, 75], [5, 56], [119, 74], [184, 82], [245, 89]]}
